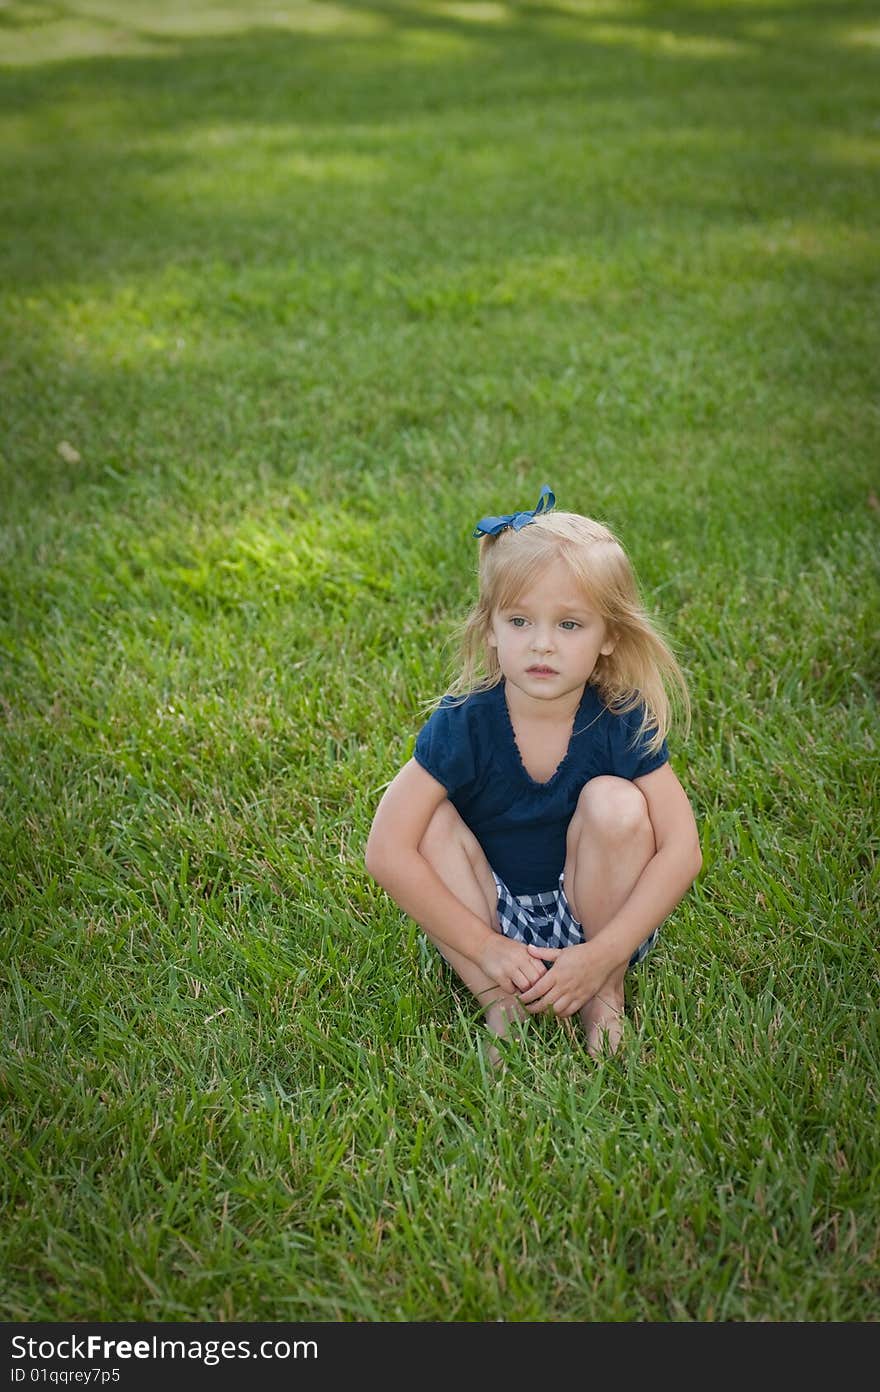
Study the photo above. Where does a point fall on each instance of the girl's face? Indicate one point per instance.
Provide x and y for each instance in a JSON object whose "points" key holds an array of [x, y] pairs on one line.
{"points": [[549, 640]]}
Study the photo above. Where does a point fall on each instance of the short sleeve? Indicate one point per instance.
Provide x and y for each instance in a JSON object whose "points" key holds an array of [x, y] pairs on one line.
{"points": [[630, 756], [444, 747]]}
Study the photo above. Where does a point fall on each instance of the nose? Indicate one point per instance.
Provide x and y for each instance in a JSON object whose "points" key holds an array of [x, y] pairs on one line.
{"points": [[542, 641]]}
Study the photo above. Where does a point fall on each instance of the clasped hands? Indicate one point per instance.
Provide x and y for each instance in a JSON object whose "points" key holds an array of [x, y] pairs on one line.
{"points": [[561, 979]]}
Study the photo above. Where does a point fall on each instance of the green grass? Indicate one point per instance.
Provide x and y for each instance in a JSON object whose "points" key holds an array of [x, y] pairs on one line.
{"points": [[304, 289]]}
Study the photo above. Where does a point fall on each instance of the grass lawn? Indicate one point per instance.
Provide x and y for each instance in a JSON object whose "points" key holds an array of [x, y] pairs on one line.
{"points": [[290, 294]]}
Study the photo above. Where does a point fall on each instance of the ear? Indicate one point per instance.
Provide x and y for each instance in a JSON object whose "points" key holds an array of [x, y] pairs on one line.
{"points": [[609, 645], [491, 639]]}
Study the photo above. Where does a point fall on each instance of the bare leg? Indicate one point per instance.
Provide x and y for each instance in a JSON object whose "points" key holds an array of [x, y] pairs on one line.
{"points": [[455, 854], [610, 841]]}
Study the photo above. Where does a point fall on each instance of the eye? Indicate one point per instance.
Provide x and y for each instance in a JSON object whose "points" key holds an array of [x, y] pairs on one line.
{"points": [[569, 625], [517, 621]]}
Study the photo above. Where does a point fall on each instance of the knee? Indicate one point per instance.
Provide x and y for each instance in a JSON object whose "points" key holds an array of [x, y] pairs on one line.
{"points": [[613, 809]]}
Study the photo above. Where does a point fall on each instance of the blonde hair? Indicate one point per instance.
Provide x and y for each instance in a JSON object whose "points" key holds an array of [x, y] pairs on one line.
{"points": [[641, 671]]}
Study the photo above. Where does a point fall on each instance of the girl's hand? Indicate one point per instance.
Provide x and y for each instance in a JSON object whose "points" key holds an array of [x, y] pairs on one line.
{"points": [[510, 965], [578, 974]]}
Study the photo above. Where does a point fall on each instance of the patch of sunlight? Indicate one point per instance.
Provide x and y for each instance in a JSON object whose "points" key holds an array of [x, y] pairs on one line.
{"points": [[517, 282], [762, 29], [177, 317], [21, 12], [862, 38], [350, 169], [331, 557], [563, 279], [243, 148], [128, 325], [835, 242], [856, 151], [38, 34], [61, 40], [667, 43], [204, 182], [588, 8], [476, 13], [199, 17], [425, 45]]}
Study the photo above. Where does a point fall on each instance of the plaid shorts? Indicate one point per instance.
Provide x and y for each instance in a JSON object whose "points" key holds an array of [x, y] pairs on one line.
{"points": [[547, 920]]}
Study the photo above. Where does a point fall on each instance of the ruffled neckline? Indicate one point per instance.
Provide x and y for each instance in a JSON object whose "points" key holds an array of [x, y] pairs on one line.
{"points": [[566, 759]]}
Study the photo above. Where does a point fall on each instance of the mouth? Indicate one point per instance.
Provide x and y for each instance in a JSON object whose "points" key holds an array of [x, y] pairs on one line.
{"points": [[542, 671]]}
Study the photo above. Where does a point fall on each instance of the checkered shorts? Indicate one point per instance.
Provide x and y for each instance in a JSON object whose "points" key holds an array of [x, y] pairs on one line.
{"points": [[547, 920]]}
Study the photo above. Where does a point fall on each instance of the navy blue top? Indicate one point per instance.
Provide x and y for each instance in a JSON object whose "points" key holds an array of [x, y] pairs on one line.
{"points": [[470, 748]]}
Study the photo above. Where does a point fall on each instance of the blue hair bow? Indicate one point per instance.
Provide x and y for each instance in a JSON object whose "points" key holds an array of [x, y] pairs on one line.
{"points": [[491, 526]]}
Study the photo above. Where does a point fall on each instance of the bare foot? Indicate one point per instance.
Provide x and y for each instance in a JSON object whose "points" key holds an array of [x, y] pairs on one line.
{"points": [[498, 1017], [602, 1019]]}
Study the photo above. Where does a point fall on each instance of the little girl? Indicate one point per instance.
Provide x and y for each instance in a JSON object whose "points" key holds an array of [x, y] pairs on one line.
{"points": [[539, 835]]}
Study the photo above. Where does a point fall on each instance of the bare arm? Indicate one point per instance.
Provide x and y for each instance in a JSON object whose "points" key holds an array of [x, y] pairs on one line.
{"points": [[580, 971], [395, 862]]}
